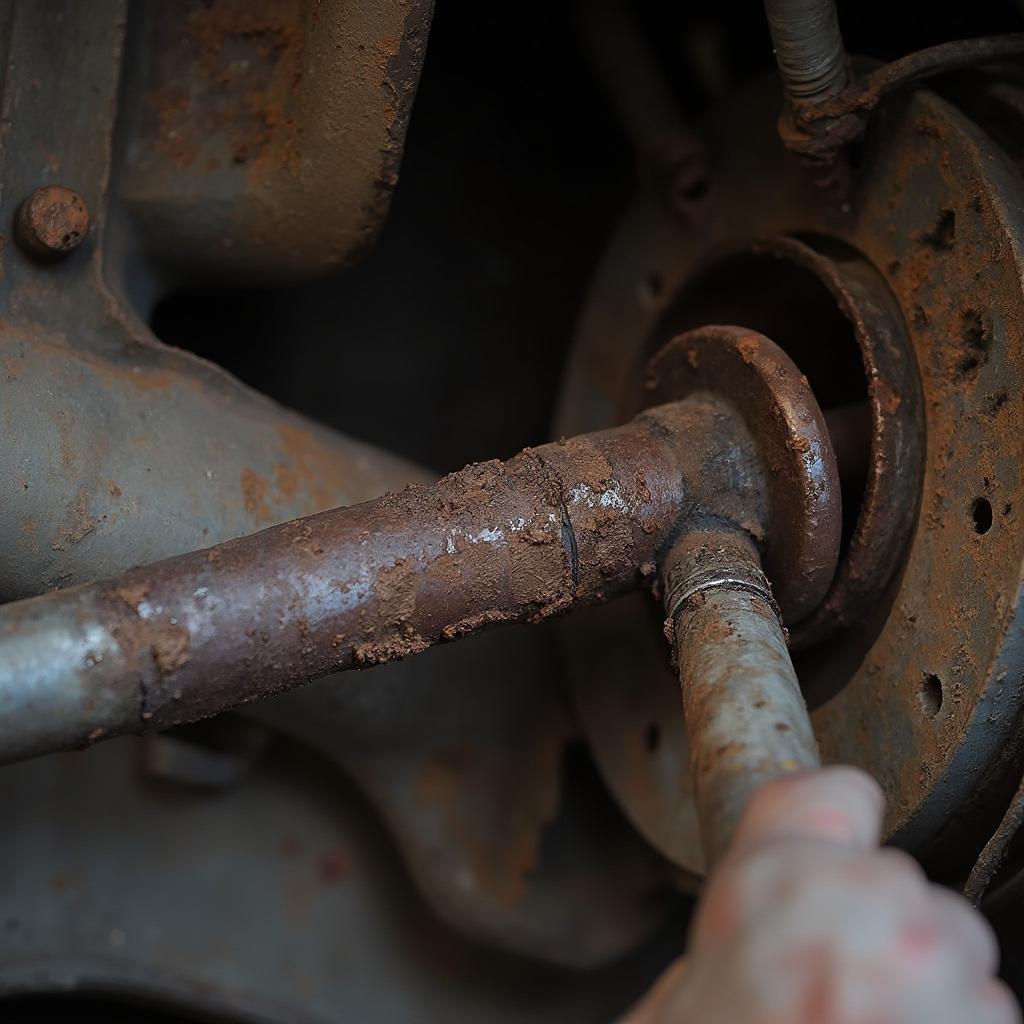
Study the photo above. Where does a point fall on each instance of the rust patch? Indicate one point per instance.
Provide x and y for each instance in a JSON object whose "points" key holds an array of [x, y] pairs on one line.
{"points": [[393, 648], [248, 57], [77, 524], [396, 589], [440, 777], [502, 870], [171, 647], [51, 222], [716, 631], [291, 847], [132, 594], [65, 437], [286, 484], [255, 490], [309, 470], [334, 866], [62, 882]]}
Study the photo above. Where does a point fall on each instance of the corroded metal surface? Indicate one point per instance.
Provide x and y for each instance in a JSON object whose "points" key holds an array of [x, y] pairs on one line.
{"points": [[893, 449], [51, 222], [121, 451], [566, 524], [118, 449], [638, 727], [924, 690], [745, 714], [821, 127], [767, 390], [995, 851], [267, 136], [798, 296], [157, 453]]}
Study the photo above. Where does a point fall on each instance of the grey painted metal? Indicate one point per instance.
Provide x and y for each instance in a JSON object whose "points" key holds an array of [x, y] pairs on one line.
{"points": [[464, 753], [746, 717], [119, 450], [278, 900]]}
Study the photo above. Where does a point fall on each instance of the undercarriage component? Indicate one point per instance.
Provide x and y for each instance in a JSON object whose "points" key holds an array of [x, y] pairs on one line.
{"points": [[122, 450], [929, 670], [558, 527], [822, 127], [808, 48], [266, 137], [125, 866], [431, 841], [51, 222], [745, 715]]}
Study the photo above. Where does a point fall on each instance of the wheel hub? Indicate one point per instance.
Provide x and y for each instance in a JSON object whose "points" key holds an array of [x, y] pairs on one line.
{"points": [[913, 659]]}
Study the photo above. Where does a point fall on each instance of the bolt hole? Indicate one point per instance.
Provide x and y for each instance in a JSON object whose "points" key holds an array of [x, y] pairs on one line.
{"points": [[651, 287], [652, 738], [655, 284], [696, 190], [981, 513], [930, 693]]}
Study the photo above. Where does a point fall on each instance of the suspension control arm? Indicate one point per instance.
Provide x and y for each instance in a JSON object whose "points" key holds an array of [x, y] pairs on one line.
{"points": [[733, 433]]}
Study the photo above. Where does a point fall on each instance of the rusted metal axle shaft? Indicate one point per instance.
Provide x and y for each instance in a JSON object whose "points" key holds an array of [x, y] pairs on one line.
{"points": [[746, 718], [569, 523]]}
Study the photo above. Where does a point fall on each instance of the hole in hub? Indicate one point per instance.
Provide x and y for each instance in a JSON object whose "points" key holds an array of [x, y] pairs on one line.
{"points": [[930, 694], [790, 304], [696, 190], [981, 513], [652, 738], [827, 307]]}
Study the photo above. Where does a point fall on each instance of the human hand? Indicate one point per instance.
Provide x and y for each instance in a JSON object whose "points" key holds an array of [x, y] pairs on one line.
{"points": [[805, 920]]}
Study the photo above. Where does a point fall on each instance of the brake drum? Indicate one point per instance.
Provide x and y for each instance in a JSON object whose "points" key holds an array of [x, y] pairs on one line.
{"points": [[904, 302]]}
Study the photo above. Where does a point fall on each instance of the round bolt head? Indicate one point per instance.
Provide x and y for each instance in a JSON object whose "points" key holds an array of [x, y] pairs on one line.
{"points": [[51, 222]]}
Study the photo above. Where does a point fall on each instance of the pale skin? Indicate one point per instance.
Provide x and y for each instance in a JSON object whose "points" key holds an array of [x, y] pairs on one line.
{"points": [[806, 920]]}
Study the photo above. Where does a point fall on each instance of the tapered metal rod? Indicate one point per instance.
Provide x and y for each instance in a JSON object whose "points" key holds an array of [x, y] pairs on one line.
{"points": [[746, 718], [569, 523], [808, 48]]}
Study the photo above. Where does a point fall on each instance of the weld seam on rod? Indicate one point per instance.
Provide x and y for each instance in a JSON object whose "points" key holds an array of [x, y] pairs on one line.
{"points": [[674, 601], [745, 714]]}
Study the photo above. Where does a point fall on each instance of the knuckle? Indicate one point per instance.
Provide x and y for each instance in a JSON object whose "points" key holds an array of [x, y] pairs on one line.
{"points": [[899, 866], [1002, 1003]]}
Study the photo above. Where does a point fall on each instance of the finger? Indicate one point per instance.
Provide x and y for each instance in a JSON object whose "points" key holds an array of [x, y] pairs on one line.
{"points": [[837, 804], [657, 1004], [966, 929], [993, 1003]]}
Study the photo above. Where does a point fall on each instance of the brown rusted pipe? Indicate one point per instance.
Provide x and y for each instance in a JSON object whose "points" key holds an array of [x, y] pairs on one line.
{"points": [[746, 718], [569, 523]]}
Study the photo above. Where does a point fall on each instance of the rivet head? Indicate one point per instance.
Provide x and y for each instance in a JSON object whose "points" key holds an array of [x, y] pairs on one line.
{"points": [[51, 222]]}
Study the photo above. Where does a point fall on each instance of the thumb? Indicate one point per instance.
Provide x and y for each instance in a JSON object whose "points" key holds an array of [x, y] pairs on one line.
{"points": [[837, 804]]}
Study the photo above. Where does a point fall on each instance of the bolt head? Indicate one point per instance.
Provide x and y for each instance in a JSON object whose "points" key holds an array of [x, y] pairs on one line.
{"points": [[51, 222]]}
